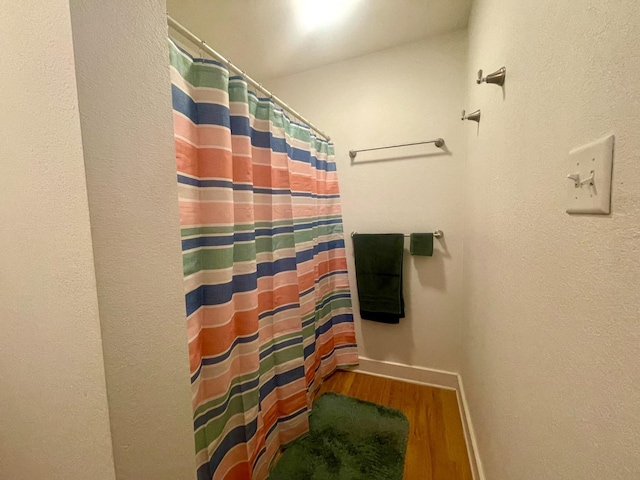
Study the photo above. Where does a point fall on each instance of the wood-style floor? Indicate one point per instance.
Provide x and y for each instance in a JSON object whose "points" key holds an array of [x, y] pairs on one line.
{"points": [[436, 449]]}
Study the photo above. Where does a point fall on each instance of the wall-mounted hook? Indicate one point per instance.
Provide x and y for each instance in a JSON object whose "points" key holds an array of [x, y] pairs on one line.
{"points": [[475, 116], [496, 77]]}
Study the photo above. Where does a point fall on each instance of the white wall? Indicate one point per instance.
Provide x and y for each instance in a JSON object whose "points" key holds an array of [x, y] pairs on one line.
{"points": [[552, 301], [53, 404], [405, 94], [127, 131]]}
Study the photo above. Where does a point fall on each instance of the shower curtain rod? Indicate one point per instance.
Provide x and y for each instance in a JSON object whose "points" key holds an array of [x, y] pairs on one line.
{"points": [[192, 38]]}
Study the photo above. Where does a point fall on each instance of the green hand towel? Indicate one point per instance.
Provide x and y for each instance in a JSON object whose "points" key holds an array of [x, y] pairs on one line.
{"points": [[422, 244], [379, 276]]}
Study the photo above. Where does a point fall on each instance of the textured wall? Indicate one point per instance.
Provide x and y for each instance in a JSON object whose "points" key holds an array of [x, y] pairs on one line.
{"points": [[401, 95], [552, 301], [53, 406], [124, 92]]}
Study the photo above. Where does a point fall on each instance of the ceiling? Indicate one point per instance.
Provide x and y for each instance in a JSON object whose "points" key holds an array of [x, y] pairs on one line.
{"points": [[275, 38]]}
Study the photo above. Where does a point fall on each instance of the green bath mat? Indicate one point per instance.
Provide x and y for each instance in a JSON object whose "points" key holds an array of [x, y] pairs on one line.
{"points": [[349, 439]]}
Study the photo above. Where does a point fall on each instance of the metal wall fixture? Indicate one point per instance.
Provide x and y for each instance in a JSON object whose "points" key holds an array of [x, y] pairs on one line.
{"points": [[497, 77], [436, 234], [438, 142], [475, 116]]}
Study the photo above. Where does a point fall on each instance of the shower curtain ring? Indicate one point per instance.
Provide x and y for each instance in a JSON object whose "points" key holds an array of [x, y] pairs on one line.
{"points": [[202, 50]]}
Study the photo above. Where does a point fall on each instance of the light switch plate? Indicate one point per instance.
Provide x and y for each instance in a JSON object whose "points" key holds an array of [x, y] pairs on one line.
{"points": [[582, 196]]}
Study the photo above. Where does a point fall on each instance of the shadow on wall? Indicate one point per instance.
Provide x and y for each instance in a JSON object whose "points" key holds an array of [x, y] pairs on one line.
{"points": [[382, 338], [430, 272]]}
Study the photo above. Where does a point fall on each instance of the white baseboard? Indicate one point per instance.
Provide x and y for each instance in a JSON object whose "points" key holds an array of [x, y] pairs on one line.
{"points": [[469, 433], [433, 378], [409, 373]]}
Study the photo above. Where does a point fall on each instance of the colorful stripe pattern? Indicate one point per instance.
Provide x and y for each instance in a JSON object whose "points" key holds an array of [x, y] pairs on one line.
{"points": [[268, 306]]}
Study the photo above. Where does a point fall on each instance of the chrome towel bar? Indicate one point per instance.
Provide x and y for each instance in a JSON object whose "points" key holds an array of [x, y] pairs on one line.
{"points": [[438, 142], [436, 234]]}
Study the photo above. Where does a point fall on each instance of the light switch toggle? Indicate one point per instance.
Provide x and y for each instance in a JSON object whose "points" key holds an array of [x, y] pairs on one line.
{"points": [[590, 180], [575, 177]]}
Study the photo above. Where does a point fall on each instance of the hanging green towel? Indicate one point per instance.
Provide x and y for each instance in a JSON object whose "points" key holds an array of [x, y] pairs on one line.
{"points": [[379, 276], [422, 244]]}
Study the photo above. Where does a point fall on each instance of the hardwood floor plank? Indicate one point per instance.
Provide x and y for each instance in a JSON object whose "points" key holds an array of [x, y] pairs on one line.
{"points": [[454, 434], [436, 448], [442, 467]]}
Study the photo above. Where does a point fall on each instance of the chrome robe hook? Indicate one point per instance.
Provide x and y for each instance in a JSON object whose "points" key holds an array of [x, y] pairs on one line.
{"points": [[475, 116], [496, 77]]}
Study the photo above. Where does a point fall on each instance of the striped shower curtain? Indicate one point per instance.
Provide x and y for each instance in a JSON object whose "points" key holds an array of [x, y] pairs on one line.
{"points": [[267, 297]]}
